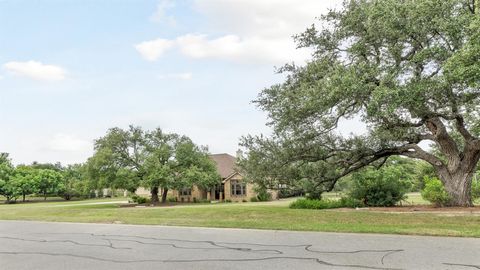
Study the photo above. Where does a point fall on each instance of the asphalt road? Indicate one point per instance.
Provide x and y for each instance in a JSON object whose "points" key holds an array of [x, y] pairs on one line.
{"points": [[43, 245]]}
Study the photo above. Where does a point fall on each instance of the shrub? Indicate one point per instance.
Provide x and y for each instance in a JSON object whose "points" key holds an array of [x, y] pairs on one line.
{"points": [[312, 190], [228, 201], [263, 195], [244, 200], [325, 203], [171, 199], [254, 199], [434, 192], [382, 187], [314, 204], [475, 190], [139, 199], [351, 202]]}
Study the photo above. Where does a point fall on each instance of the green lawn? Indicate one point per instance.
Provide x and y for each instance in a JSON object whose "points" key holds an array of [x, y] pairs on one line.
{"points": [[271, 215]]}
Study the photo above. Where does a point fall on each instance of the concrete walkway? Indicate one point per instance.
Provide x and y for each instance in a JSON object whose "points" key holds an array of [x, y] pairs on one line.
{"points": [[43, 245]]}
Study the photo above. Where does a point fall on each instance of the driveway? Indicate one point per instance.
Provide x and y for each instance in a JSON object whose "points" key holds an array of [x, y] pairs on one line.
{"points": [[43, 245]]}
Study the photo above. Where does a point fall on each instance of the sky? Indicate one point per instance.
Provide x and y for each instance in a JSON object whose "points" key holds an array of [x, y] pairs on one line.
{"points": [[72, 69]]}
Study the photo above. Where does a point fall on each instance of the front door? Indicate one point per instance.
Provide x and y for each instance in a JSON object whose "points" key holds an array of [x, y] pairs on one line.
{"points": [[219, 192]]}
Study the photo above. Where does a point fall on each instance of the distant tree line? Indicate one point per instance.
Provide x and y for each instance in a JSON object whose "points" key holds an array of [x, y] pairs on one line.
{"points": [[40, 179]]}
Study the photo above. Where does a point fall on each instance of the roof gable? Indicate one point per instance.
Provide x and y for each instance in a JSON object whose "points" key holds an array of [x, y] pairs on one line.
{"points": [[225, 164]]}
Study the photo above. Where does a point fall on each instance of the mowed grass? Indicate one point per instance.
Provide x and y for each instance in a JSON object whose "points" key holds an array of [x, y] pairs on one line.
{"points": [[275, 216]]}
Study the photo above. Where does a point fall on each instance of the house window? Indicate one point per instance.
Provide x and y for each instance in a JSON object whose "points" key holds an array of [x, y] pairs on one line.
{"points": [[239, 188], [186, 192]]}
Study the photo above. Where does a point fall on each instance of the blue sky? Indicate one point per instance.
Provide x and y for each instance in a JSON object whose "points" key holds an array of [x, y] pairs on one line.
{"points": [[69, 70]]}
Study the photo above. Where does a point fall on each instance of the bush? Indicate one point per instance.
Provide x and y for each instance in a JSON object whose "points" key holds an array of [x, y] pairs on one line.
{"points": [[263, 195], [171, 199], [434, 192], [139, 199], [351, 202], [325, 203], [228, 201], [475, 190], [254, 199], [382, 187]]}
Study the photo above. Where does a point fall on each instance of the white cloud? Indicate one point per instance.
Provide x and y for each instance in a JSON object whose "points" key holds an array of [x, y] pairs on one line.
{"points": [[256, 31], [177, 76], [160, 14], [154, 49], [36, 70], [69, 143], [263, 18], [235, 48]]}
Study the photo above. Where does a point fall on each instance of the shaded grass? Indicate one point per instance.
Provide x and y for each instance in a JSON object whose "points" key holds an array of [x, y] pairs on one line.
{"points": [[258, 216]]}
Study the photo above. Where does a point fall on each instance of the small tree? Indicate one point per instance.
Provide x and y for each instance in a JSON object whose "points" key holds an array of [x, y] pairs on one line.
{"points": [[24, 180], [48, 181], [8, 189], [70, 184], [383, 187]]}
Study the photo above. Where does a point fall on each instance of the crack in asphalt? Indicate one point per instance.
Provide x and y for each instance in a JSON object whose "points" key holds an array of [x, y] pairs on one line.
{"points": [[110, 238], [221, 245], [464, 265], [198, 260], [110, 244]]}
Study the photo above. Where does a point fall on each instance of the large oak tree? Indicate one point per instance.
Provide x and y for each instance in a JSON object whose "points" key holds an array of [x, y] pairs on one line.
{"points": [[408, 69]]}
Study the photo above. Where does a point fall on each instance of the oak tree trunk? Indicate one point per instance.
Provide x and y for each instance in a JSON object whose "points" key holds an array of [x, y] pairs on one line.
{"points": [[154, 193], [458, 186], [164, 195]]}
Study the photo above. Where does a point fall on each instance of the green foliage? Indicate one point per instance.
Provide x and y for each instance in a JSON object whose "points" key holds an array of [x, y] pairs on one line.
{"points": [[8, 188], [382, 187], [325, 203], [151, 159], [72, 183], [263, 195], [24, 179], [434, 192], [48, 181], [171, 199], [476, 189], [254, 199], [351, 202], [464, 65], [139, 199]]}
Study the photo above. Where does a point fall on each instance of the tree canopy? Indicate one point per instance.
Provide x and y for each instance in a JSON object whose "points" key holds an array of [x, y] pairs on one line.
{"points": [[409, 70], [151, 159]]}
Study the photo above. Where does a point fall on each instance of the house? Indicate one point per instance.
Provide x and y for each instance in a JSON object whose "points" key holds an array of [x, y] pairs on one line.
{"points": [[232, 187]]}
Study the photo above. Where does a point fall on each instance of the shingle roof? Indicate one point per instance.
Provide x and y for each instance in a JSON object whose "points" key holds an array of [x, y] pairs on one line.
{"points": [[225, 164]]}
